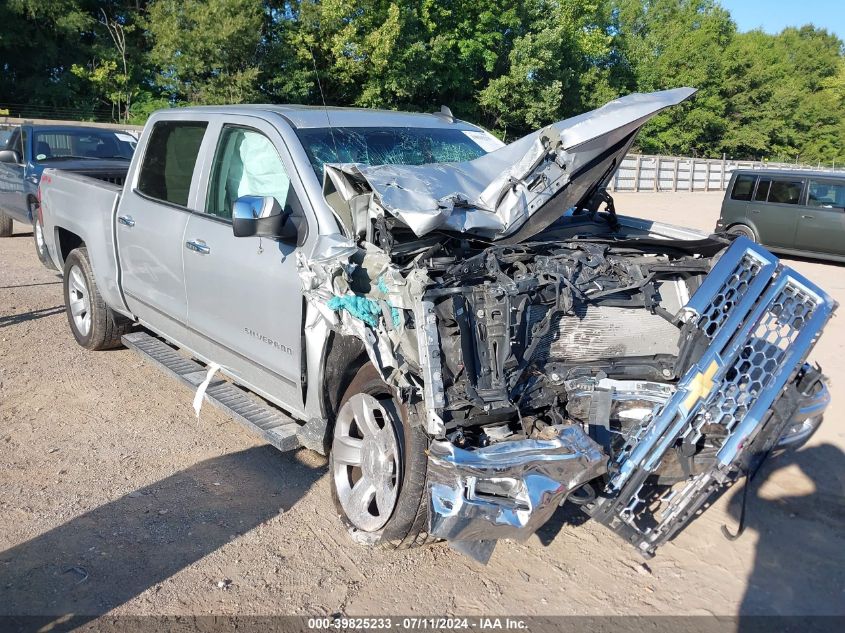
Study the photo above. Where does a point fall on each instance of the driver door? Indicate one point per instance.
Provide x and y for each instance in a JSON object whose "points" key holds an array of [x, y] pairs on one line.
{"points": [[244, 294]]}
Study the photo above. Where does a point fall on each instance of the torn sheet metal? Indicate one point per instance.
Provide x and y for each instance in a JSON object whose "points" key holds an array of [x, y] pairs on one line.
{"points": [[506, 193], [507, 489]]}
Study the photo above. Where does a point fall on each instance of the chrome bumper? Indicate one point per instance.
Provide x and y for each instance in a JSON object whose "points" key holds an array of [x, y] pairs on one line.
{"points": [[508, 489]]}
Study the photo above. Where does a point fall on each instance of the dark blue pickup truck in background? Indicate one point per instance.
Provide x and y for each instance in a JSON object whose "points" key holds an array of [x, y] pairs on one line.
{"points": [[99, 153]]}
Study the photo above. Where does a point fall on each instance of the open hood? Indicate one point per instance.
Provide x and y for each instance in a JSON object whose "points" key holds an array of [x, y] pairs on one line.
{"points": [[509, 194]]}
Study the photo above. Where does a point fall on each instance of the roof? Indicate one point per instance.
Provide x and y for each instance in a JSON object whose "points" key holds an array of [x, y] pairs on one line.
{"points": [[792, 172], [41, 127], [303, 116]]}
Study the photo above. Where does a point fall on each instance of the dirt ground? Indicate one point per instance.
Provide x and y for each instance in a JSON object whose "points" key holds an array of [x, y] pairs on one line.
{"points": [[114, 497]]}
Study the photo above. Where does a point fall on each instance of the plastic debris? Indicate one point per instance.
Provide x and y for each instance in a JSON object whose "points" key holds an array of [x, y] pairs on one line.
{"points": [[198, 397], [367, 310]]}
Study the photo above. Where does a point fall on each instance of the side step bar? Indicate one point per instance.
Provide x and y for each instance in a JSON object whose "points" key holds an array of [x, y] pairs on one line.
{"points": [[253, 413]]}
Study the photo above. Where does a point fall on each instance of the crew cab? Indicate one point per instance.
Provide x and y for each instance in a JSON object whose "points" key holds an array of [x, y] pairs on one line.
{"points": [[30, 149], [467, 329]]}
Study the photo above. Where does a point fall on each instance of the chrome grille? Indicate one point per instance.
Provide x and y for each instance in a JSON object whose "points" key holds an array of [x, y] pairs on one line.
{"points": [[734, 288], [755, 367], [761, 320]]}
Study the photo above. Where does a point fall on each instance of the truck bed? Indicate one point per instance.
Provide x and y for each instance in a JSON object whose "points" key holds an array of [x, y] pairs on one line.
{"points": [[85, 207]]}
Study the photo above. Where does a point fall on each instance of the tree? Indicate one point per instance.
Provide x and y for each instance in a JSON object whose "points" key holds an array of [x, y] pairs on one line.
{"points": [[554, 67], [672, 43], [206, 51], [784, 95]]}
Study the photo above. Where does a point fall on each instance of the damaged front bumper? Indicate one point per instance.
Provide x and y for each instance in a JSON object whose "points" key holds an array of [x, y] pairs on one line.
{"points": [[747, 333], [508, 489]]}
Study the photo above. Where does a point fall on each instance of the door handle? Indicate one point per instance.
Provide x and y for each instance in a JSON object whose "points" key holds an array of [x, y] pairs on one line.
{"points": [[755, 210], [126, 220], [807, 217], [198, 246]]}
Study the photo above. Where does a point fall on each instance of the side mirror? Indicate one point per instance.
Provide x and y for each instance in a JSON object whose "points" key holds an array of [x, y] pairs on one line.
{"points": [[10, 156], [263, 216]]}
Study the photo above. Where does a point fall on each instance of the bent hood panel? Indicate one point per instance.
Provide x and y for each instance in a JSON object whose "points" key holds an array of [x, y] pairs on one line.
{"points": [[518, 190]]}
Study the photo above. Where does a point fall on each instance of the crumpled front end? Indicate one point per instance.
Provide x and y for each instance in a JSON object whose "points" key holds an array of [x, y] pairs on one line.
{"points": [[634, 370]]}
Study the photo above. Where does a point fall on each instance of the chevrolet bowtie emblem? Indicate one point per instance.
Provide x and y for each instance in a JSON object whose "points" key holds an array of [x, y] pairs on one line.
{"points": [[701, 386]]}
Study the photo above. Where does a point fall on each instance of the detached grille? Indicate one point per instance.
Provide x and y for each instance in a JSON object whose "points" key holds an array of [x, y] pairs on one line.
{"points": [[755, 368], [762, 319], [733, 290]]}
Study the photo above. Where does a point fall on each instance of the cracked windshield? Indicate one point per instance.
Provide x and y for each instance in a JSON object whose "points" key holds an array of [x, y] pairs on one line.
{"points": [[387, 146]]}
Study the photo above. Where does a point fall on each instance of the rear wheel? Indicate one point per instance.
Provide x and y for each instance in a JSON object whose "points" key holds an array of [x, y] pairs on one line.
{"points": [[377, 465], [5, 225], [41, 246], [94, 325], [745, 231]]}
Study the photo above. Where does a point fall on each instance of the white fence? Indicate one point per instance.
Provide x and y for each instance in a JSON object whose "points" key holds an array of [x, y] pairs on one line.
{"points": [[638, 172]]}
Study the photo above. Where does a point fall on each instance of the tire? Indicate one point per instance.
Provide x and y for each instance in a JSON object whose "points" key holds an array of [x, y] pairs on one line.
{"points": [[94, 325], [40, 247], [407, 522], [744, 231], [5, 225]]}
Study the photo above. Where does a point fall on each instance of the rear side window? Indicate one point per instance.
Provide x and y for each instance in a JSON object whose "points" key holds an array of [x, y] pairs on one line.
{"points": [[785, 191], [170, 159], [743, 186], [826, 194]]}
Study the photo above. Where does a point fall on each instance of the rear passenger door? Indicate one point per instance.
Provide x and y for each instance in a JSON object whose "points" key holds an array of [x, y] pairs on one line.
{"points": [[151, 225], [244, 293], [821, 225], [774, 210]]}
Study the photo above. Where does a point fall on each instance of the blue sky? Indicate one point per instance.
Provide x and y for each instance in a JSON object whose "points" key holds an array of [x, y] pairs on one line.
{"points": [[774, 15]]}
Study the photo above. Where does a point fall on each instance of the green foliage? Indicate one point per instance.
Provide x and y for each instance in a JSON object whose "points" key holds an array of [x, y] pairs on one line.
{"points": [[206, 51], [511, 66]]}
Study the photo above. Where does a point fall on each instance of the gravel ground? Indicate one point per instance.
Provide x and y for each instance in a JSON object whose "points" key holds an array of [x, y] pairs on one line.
{"points": [[115, 498]]}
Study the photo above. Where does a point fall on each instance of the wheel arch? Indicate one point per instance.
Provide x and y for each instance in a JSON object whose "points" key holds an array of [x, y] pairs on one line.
{"points": [[343, 356], [67, 241]]}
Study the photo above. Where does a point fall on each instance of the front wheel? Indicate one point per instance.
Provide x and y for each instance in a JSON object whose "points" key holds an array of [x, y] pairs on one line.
{"points": [[377, 465], [94, 325]]}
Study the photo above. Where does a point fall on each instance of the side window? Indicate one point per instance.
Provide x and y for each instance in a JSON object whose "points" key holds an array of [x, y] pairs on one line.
{"points": [[786, 191], [826, 194], [245, 164], [169, 160], [763, 187], [743, 186]]}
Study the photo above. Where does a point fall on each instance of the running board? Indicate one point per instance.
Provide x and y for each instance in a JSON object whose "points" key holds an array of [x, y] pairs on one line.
{"points": [[253, 413]]}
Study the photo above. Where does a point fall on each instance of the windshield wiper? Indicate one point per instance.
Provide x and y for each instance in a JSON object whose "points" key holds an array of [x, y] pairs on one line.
{"points": [[112, 157]]}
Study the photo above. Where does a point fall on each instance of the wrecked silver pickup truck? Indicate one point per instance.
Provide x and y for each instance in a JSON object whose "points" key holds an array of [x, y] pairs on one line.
{"points": [[477, 341]]}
